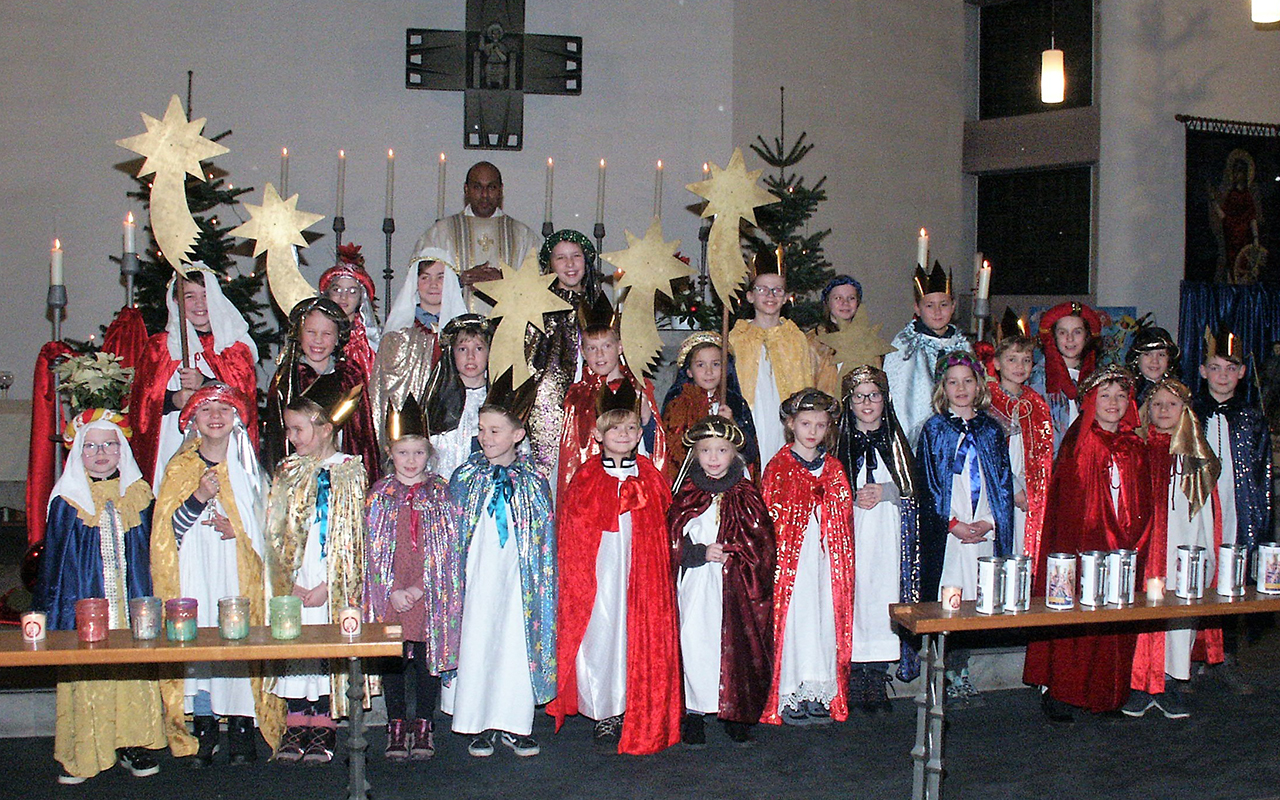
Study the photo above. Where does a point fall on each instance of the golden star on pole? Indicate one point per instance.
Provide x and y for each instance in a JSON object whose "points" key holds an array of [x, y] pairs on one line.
{"points": [[857, 342], [646, 267], [276, 227], [732, 194], [173, 148], [521, 296]]}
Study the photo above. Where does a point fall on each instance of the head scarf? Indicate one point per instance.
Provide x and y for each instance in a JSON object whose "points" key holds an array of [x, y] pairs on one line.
{"points": [[589, 277], [855, 447], [1056, 378], [225, 320], [74, 485], [211, 393], [351, 265], [1112, 373], [242, 459], [1201, 467], [452, 304], [445, 396], [325, 306], [841, 280]]}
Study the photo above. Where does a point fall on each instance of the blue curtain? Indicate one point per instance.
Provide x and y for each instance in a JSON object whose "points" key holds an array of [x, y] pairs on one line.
{"points": [[1251, 312]]}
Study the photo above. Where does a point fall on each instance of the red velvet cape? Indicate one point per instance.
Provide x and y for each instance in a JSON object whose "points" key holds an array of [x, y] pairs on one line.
{"points": [[1092, 671], [1036, 423], [234, 366], [45, 444], [578, 443], [592, 505], [791, 492], [746, 629]]}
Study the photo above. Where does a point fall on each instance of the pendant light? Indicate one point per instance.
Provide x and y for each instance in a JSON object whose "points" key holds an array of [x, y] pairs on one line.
{"points": [[1266, 12], [1053, 78]]}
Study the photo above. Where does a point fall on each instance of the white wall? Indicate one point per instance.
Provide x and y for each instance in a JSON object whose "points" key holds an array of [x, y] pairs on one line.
{"points": [[1160, 58], [316, 77]]}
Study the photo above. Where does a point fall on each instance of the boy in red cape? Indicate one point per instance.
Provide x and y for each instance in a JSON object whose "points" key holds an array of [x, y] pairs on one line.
{"points": [[1099, 499], [618, 648]]}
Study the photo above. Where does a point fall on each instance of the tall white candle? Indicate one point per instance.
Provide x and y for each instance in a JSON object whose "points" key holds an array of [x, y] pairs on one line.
{"points": [[342, 180], [55, 264], [440, 189], [129, 229], [546, 202], [391, 182], [284, 172], [706, 171], [977, 268], [984, 280], [922, 249], [657, 191], [600, 195]]}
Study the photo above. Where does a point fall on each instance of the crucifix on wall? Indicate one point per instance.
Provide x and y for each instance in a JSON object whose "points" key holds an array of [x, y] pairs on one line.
{"points": [[494, 63]]}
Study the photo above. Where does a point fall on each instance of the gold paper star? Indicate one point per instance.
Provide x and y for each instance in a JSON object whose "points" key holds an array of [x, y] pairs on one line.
{"points": [[731, 194], [276, 227], [646, 267], [520, 298], [173, 148], [857, 342]]}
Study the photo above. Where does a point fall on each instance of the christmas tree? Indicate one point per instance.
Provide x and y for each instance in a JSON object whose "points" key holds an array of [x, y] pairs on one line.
{"points": [[786, 223]]}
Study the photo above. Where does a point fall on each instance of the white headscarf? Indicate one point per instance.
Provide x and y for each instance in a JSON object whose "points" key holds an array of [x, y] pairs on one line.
{"points": [[73, 486], [452, 304], [228, 325]]}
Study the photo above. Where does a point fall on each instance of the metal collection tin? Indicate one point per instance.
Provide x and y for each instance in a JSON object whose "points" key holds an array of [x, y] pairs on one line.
{"points": [[1017, 583], [1060, 590], [1269, 568], [1093, 578], [1122, 576], [1189, 581], [990, 588], [1233, 559]]}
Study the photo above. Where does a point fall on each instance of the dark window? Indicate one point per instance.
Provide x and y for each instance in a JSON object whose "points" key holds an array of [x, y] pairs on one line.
{"points": [[1034, 229], [1012, 37]]}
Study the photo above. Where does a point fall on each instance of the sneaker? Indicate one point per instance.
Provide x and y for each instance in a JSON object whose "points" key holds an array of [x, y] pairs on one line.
{"points": [[138, 761], [422, 740], [798, 716], [972, 696], [693, 731], [523, 746], [1171, 702], [397, 741], [293, 744], [67, 779], [956, 697], [818, 713], [607, 733], [482, 746], [207, 733], [242, 740], [876, 699], [1139, 704], [320, 749]]}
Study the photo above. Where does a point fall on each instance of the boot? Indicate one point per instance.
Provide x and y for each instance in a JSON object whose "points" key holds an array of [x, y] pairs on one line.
{"points": [[693, 731], [397, 741], [207, 734], [424, 742], [320, 750], [293, 744], [877, 697], [241, 740], [739, 733]]}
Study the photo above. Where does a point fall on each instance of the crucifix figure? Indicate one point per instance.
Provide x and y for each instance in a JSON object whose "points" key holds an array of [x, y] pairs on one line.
{"points": [[494, 63]]}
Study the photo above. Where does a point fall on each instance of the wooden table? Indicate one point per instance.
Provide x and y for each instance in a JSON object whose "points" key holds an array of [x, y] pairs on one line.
{"points": [[62, 648], [932, 623]]}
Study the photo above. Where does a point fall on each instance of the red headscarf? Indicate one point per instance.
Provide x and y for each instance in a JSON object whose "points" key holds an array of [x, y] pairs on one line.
{"points": [[213, 392], [1056, 378], [350, 265]]}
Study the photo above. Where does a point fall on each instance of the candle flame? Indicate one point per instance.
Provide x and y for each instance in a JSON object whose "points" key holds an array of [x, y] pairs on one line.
{"points": [[706, 167], [391, 154], [442, 158], [659, 163], [602, 163], [986, 264], [342, 154], [922, 232], [128, 218], [57, 244], [550, 163], [284, 152]]}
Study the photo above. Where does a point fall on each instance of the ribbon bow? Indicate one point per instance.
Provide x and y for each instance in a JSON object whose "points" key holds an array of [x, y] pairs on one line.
{"points": [[966, 449], [630, 495], [322, 510], [503, 491]]}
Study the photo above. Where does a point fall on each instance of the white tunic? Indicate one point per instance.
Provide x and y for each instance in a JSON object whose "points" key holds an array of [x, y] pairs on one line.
{"points": [[602, 657], [960, 561], [764, 411], [877, 549], [808, 667], [1188, 530], [1218, 432], [453, 448], [493, 690], [1018, 467], [169, 438], [701, 595]]}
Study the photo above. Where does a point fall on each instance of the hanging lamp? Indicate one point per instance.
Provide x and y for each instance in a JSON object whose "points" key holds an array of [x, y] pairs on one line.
{"points": [[1053, 77], [1266, 12]]}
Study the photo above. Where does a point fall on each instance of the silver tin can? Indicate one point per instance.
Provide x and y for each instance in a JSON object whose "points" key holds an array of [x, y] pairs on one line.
{"points": [[1017, 583], [990, 569], [1189, 581], [1060, 581], [1093, 578], [1122, 569], [1269, 568], [1233, 560]]}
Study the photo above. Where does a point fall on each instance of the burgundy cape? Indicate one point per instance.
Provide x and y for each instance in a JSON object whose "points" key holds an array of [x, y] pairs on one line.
{"points": [[358, 435], [746, 629], [1092, 671], [592, 505]]}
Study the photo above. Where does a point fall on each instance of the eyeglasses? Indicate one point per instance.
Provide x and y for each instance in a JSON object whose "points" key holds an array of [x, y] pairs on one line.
{"points": [[869, 397], [107, 448], [341, 290], [771, 291]]}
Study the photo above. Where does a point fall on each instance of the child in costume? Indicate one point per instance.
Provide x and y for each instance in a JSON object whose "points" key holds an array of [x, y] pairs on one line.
{"points": [[507, 656], [1025, 417], [352, 288], [315, 535], [1100, 498], [220, 349], [413, 578], [919, 344], [207, 543], [881, 472], [98, 545], [966, 495], [774, 357], [695, 394], [725, 548], [840, 300], [1185, 474], [318, 335], [1069, 341], [458, 387], [810, 501], [617, 646], [1152, 357]]}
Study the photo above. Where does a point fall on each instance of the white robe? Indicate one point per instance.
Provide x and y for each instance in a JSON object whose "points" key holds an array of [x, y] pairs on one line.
{"points": [[764, 410], [453, 448], [1018, 467], [492, 240], [493, 690], [170, 439], [960, 561], [877, 550], [808, 668], [1218, 432], [701, 596], [1198, 531]]}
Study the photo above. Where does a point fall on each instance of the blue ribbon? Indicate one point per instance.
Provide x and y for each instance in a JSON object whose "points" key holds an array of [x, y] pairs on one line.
{"points": [[322, 511], [503, 491], [968, 452]]}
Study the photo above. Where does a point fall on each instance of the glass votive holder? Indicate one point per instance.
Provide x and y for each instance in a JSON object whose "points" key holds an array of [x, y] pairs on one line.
{"points": [[91, 619], [233, 617], [35, 626], [349, 622], [286, 617], [180, 619], [145, 616]]}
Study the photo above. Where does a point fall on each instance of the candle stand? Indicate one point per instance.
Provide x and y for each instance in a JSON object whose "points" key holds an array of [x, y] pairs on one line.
{"points": [[388, 227]]}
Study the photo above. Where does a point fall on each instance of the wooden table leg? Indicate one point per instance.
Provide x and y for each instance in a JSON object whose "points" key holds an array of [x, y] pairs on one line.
{"points": [[937, 713], [920, 753], [357, 786]]}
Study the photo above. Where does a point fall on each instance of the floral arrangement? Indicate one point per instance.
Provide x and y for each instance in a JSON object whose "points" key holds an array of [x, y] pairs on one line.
{"points": [[94, 380]]}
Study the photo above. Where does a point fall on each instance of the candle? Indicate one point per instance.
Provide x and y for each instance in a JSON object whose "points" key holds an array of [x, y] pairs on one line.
{"points": [[977, 267], [706, 171], [349, 622], [546, 203], [233, 617], [600, 195], [1155, 589], [145, 617], [922, 249], [129, 229], [55, 264], [91, 619], [391, 181], [34, 626], [984, 281], [284, 172], [342, 180], [180, 619], [286, 617], [657, 191], [440, 189]]}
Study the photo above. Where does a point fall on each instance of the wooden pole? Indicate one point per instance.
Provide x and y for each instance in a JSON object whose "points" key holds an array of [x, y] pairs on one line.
{"points": [[180, 285]]}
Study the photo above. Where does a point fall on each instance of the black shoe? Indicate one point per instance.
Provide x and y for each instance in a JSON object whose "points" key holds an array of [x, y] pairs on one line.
{"points": [[876, 700], [320, 750], [1056, 710], [739, 733], [207, 734], [139, 762], [607, 733], [293, 744], [693, 731], [242, 740]]}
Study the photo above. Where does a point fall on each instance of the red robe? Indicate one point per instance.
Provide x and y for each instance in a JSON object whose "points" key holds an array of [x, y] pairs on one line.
{"points": [[1092, 671], [593, 504], [1036, 423], [578, 443], [746, 629], [791, 492], [234, 366]]}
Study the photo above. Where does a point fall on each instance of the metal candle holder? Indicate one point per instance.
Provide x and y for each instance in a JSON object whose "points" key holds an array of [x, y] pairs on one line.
{"points": [[56, 301], [547, 228], [981, 311], [388, 228], [130, 268], [704, 236], [339, 225], [598, 233]]}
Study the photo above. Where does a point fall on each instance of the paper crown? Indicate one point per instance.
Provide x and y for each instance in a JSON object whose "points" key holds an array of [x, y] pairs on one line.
{"points": [[599, 313], [935, 280], [1148, 339], [714, 427], [336, 404], [467, 322], [408, 420], [957, 358], [1223, 343], [864, 373], [769, 262], [1011, 326], [624, 398], [515, 401]]}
